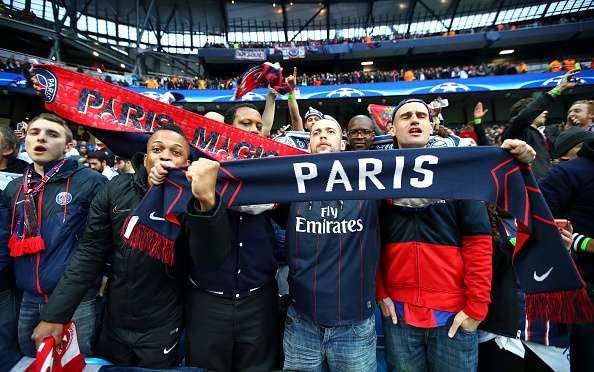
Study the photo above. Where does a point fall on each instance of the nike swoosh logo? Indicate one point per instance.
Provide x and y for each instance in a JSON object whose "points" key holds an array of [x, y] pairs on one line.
{"points": [[540, 278], [167, 351], [155, 218], [116, 210]]}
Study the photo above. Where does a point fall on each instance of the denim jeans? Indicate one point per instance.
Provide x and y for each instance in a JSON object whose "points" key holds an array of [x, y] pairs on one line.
{"points": [[9, 308], [415, 349], [309, 347], [84, 317]]}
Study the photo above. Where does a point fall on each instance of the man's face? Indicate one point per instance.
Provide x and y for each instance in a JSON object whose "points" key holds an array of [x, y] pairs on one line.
{"points": [[311, 120], [121, 165], [579, 116], [360, 133], [166, 145], [248, 119], [45, 141], [325, 136], [97, 165], [411, 126]]}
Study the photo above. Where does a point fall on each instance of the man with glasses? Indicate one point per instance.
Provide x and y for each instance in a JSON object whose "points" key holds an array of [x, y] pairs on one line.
{"points": [[360, 133]]}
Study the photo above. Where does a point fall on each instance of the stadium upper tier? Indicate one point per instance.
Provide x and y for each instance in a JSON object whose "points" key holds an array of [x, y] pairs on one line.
{"points": [[181, 26]]}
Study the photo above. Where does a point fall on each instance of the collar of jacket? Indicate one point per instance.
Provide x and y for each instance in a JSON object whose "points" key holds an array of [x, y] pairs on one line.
{"points": [[68, 169], [140, 175]]}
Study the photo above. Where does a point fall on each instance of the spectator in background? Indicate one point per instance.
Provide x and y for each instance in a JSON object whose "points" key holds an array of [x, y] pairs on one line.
{"points": [[83, 149], [409, 75], [124, 165], [360, 133], [570, 142], [528, 114], [98, 161], [9, 147], [555, 66], [581, 114], [569, 191]]}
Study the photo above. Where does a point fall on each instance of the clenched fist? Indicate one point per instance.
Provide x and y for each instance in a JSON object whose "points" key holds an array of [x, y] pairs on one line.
{"points": [[202, 175]]}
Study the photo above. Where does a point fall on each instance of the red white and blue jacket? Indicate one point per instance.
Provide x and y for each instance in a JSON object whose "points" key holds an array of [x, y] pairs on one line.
{"points": [[436, 257]]}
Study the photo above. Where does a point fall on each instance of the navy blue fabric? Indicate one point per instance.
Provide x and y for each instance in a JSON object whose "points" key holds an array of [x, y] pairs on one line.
{"points": [[4, 236], [333, 253], [61, 237], [479, 173], [250, 263]]}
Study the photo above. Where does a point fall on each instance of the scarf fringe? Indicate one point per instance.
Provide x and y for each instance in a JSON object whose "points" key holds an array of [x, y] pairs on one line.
{"points": [[26, 246], [150, 242], [571, 306]]}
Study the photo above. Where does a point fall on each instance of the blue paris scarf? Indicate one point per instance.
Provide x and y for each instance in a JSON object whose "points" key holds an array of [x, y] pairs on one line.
{"points": [[479, 173]]}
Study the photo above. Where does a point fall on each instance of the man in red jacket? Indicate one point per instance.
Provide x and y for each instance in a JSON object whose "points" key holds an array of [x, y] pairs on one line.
{"points": [[434, 276]]}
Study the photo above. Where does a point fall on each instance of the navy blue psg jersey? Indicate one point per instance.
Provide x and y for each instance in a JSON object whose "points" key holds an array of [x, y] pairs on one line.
{"points": [[333, 249]]}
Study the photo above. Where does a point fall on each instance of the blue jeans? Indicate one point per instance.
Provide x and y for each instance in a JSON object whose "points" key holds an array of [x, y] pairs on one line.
{"points": [[309, 347], [9, 308], [415, 349], [84, 317]]}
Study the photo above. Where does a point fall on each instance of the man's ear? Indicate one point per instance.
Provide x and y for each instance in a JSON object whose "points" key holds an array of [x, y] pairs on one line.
{"points": [[144, 160], [343, 145], [391, 130], [68, 147]]}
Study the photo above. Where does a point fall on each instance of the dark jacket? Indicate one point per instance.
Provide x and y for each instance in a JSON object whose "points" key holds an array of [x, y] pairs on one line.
{"points": [[520, 127], [143, 293], [250, 263], [569, 191], [6, 273], [65, 204]]}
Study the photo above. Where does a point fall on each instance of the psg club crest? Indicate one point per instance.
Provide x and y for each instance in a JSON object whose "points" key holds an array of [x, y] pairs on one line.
{"points": [[48, 83]]}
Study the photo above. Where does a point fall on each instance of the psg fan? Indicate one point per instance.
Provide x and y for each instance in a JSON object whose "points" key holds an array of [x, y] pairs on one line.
{"points": [[144, 295], [434, 276], [50, 204]]}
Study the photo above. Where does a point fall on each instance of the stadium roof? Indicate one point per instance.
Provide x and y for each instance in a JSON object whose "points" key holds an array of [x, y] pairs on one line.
{"points": [[214, 16]]}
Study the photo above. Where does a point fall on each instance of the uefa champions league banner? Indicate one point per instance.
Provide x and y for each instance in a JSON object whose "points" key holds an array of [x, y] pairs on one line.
{"points": [[417, 87]]}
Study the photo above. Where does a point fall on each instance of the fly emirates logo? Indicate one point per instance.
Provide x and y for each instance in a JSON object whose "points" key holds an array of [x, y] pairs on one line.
{"points": [[328, 223]]}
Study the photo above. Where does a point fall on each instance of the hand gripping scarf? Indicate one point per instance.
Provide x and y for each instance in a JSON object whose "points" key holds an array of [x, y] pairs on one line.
{"points": [[66, 358], [554, 289]]}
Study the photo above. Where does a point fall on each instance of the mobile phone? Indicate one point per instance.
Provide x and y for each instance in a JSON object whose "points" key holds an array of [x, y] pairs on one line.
{"points": [[20, 125], [562, 223]]}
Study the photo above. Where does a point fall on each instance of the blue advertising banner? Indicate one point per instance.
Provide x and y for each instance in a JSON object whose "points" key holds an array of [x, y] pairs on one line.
{"points": [[417, 87]]}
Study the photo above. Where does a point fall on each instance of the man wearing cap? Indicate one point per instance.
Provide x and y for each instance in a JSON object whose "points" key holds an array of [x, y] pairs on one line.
{"points": [[434, 275], [570, 142]]}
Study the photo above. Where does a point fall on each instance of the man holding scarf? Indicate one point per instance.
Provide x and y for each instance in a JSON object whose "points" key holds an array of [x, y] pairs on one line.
{"points": [[144, 305], [433, 285], [49, 205]]}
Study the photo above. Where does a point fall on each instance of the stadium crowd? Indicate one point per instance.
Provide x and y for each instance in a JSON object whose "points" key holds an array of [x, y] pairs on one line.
{"points": [[266, 287]]}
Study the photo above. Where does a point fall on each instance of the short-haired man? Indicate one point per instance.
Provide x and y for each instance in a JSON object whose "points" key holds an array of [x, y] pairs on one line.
{"points": [[98, 161], [232, 310], [144, 295], [124, 165], [581, 114], [49, 205], [360, 133], [434, 276], [330, 324]]}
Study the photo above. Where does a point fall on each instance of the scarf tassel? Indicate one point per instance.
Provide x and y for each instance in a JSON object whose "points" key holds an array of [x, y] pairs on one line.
{"points": [[150, 242], [571, 306], [29, 245]]}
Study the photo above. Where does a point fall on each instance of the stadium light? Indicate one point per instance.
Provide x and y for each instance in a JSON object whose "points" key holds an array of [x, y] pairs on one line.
{"points": [[122, 65], [273, 5], [366, 63], [506, 51], [232, 1], [95, 54], [402, 5]]}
